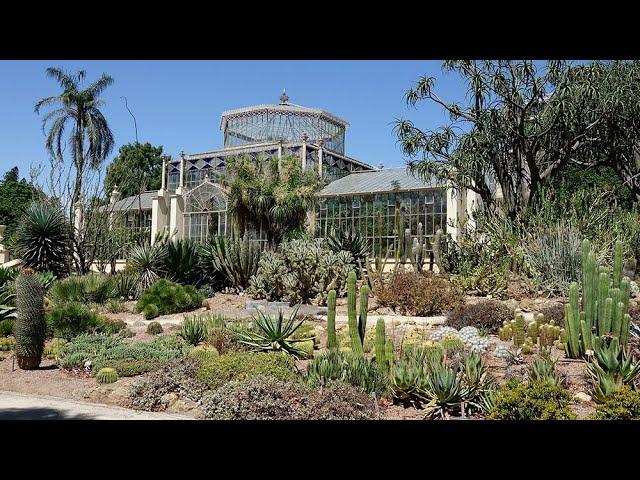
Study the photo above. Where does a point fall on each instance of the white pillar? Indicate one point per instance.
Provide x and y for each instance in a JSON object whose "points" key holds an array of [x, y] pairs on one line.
{"points": [[304, 151], [4, 253], [163, 185], [181, 184], [320, 159], [280, 142], [176, 215], [454, 211]]}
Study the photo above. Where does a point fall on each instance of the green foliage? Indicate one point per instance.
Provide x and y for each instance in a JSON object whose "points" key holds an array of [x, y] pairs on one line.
{"points": [[42, 237], [176, 376], [182, 261], [623, 404], [218, 370], [107, 375], [350, 368], [204, 352], [235, 258], [357, 323], [128, 359], [195, 329], [531, 401], [7, 343], [72, 318], [154, 328], [350, 240], [15, 194], [265, 398], [611, 368], [6, 327], [91, 288], [114, 305], [125, 285], [300, 270], [486, 314], [168, 297], [420, 294], [30, 325], [146, 263], [111, 326], [274, 333], [332, 341], [137, 168], [274, 196], [543, 369], [55, 349]]}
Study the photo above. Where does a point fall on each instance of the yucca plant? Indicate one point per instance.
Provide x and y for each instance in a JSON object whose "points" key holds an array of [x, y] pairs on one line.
{"points": [[7, 310], [273, 333], [236, 258], [146, 261], [181, 262], [42, 237], [125, 285]]}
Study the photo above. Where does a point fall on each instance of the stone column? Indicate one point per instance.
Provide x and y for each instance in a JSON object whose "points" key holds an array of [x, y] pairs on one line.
{"points": [[454, 212], [304, 151], [159, 207], [280, 142], [176, 214], [4, 253], [321, 143]]}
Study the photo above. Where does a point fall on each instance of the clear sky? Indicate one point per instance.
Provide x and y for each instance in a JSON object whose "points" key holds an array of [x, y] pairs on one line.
{"points": [[177, 104]]}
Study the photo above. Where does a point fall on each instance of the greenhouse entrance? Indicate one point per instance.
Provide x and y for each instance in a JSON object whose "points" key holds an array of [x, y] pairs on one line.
{"points": [[205, 213]]}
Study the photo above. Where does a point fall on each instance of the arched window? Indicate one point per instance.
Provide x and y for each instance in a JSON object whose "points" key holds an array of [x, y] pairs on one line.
{"points": [[205, 212]]}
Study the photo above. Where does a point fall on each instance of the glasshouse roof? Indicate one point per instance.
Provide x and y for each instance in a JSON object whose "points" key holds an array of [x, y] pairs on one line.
{"points": [[132, 203], [280, 108], [385, 180]]}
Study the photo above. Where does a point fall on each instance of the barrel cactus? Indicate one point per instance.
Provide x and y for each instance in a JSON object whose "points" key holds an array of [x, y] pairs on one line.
{"points": [[30, 326], [154, 328], [107, 375]]}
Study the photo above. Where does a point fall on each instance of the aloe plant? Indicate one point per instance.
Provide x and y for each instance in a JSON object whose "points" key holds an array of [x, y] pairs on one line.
{"points": [[274, 333]]}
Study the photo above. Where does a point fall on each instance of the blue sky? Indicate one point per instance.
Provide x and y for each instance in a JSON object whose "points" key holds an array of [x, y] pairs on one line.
{"points": [[177, 104]]}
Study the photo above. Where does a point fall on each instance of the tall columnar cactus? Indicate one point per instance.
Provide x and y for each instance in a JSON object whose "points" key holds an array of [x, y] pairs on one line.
{"points": [[617, 265], [518, 326], [380, 342], [332, 339], [388, 351], [532, 331], [437, 249], [30, 326], [357, 323]]}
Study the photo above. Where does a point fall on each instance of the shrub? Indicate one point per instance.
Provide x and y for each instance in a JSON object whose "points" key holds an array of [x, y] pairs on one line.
{"points": [[111, 326], [125, 285], [177, 376], [91, 288], [531, 401], [168, 297], [114, 306], [347, 367], [554, 312], [194, 329], [128, 359], [419, 294], [487, 314], [264, 398], [299, 271], [154, 328], [55, 349], [182, 261], [107, 375], [41, 238], [242, 365], [352, 241], [6, 327], [623, 404], [73, 318]]}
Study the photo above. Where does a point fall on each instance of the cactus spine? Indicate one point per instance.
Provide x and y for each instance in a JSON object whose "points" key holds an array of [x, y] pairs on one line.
{"points": [[357, 324], [107, 375], [380, 342], [518, 326], [332, 339], [30, 326]]}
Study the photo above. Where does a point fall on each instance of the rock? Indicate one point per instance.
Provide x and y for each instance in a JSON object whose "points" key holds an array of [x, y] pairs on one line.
{"points": [[582, 397], [87, 364], [169, 399]]}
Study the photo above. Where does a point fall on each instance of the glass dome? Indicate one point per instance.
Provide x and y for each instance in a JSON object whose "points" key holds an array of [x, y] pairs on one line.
{"points": [[286, 121]]}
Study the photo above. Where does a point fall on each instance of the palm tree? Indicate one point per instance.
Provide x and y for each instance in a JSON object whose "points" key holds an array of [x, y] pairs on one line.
{"points": [[77, 113]]}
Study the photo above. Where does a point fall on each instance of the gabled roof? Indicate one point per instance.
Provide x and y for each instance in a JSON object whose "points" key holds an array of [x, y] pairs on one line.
{"points": [[132, 203], [384, 180], [282, 108]]}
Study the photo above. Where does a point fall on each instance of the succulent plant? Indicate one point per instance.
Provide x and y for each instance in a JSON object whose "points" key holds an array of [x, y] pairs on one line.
{"points": [[154, 328], [30, 325], [332, 340], [107, 375]]}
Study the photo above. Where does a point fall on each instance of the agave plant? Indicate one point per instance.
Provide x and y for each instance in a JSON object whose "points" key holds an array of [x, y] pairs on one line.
{"points": [[41, 238], [543, 369], [7, 310], [349, 240], [181, 261], [274, 333], [7, 275], [613, 360], [445, 391], [237, 259]]}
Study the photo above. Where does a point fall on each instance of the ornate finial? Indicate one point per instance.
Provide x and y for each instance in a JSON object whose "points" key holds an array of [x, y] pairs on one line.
{"points": [[284, 98], [305, 137], [182, 153], [380, 165]]}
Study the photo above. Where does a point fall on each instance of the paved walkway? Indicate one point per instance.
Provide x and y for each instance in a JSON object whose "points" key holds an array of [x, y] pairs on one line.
{"points": [[18, 406]]}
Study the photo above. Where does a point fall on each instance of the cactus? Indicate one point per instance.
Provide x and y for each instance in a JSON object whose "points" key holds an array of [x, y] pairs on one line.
{"points": [[154, 328], [437, 249], [527, 346], [332, 339], [357, 323], [532, 331], [388, 351], [30, 325], [107, 375], [617, 265], [518, 326], [380, 342]]}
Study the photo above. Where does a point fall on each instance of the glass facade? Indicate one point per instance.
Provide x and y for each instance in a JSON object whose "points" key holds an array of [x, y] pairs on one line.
{"points": [[396, 210]]}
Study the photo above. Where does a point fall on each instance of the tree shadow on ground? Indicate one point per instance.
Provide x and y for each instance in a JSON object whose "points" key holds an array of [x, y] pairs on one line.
{"points": [[38, 414]]}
